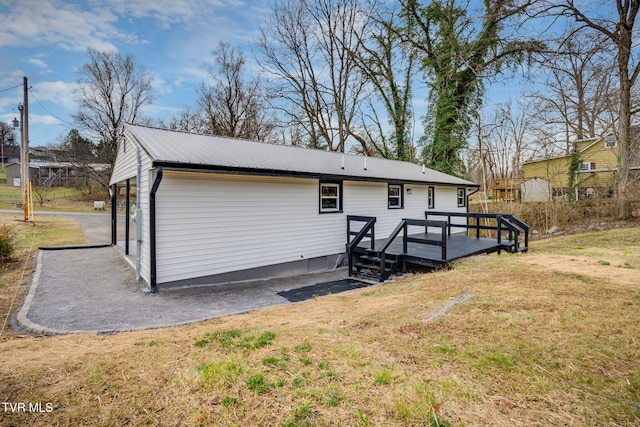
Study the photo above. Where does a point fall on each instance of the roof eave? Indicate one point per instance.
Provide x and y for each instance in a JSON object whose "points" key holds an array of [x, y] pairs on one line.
{"points": [[198, 167]]}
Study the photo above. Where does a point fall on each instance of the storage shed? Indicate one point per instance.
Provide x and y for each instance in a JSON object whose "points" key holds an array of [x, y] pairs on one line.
{"points": [[536, 190], [213, 209]]}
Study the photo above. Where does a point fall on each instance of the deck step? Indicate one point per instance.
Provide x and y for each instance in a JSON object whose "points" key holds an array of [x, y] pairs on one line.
{"points": [[375, 267], [376, 259], [369, 275]]}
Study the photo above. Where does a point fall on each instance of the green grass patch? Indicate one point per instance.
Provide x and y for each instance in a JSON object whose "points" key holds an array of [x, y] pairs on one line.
{"points": [[220, 372], [234, 339]]}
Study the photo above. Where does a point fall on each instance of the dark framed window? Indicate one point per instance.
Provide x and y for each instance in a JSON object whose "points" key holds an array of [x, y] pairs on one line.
{"points": [[587, 166], [462, 197], [330, 196], [431, 197], [395, 198]]}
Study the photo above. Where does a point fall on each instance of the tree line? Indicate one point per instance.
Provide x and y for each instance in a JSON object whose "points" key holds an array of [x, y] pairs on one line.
{"points": [[340, 75]]}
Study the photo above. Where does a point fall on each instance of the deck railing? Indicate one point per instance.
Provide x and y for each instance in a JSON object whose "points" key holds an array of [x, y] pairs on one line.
{"points": [[406, 239], [504, 223], [368, 230]]}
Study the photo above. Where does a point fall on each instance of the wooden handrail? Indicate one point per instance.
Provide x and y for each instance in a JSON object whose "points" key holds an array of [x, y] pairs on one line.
{"points": [[511, 223]]}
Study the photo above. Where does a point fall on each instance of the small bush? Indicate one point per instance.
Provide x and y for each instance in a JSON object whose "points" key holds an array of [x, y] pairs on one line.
{"points": [[7, 244]]}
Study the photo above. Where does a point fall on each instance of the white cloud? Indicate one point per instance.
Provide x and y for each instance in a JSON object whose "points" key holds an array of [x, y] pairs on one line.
{"points": [[58, 92], [37, 119], [56, 23], [38, 62], [168, 12]]}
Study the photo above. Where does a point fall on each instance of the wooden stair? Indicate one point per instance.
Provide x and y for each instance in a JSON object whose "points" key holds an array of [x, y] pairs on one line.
{"points": [[369, 264]]}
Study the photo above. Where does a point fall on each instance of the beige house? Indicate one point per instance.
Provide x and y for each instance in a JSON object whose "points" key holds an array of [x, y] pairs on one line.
{"points": [[596, 175]]}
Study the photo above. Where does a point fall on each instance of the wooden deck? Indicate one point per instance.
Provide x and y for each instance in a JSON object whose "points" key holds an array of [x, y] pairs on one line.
{"points": [[427, 248], [458, 246]]}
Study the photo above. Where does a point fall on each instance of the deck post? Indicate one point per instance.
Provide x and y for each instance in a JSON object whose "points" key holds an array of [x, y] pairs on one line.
{"points": [[444, 243], [477, 226], [405, 234], [499, 221], [426, 219]]}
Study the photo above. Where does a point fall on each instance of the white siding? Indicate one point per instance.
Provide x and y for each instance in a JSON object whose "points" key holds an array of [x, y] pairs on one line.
{"points": [[125, 165], [210, 223], [126, 168]]}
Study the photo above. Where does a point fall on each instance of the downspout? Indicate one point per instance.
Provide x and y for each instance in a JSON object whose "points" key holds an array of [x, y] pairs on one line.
{"points": [[152, 228], [126, 215], [469, 197], [114, 213], [138, 217]]}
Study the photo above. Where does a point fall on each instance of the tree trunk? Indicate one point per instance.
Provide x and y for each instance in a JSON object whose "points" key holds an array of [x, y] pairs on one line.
{"points": [[624, 125]]}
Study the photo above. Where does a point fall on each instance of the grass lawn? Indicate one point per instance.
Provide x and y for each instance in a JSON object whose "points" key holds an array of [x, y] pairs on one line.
{"points": [[57, 199], [552, 337]]}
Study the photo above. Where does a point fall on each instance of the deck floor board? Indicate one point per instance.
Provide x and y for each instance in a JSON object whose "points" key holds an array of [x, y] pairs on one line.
{"points": [[458, 246]]}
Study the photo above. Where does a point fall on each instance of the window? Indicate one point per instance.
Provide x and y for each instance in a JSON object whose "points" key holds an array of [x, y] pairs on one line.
{"points": [[610, 142], [395, 196], [587, 166], [431, 197], [330, 197], [462, 197]]}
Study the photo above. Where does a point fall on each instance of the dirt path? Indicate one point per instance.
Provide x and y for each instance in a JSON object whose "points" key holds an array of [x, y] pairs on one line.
{"points": [[588, 266]]}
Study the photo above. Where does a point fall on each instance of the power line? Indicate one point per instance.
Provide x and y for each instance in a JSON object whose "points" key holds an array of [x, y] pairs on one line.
{"points": [[11, 88], [47, 110]]}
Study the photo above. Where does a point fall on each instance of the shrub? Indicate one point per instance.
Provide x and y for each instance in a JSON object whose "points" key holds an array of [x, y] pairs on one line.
{"points": [[7, 245]]}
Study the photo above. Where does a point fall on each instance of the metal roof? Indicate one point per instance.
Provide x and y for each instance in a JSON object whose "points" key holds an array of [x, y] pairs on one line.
{"points": [[181, 150]]}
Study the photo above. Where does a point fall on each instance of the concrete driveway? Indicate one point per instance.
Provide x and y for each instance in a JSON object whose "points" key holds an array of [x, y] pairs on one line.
{"points": [[95, 291]]}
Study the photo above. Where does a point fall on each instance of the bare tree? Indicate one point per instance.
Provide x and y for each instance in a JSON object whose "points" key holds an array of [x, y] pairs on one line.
{"points": [[579, 89], [389, 66], [111, 91], [186, 120], [232, 106], [306, 46], [506, 136], [617, 26]]}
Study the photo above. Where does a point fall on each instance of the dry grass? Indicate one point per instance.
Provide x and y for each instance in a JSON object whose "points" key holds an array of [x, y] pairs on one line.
{"points": [[552, 338]]}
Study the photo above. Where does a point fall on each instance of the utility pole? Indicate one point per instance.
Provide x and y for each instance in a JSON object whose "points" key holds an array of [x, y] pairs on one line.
{"points": [[24, 152]]}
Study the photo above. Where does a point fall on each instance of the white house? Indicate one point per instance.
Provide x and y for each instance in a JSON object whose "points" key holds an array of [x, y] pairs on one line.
{"points": [[213, 209]]}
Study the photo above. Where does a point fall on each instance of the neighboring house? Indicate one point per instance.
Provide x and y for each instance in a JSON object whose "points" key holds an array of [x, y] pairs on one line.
{"points": [[212, 209], [596, 175], [53, 174], [505, 189]]}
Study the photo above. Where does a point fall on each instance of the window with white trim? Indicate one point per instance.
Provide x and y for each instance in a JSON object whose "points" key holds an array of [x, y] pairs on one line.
{"points": [[462, 197], [610, 142], [394, 196], [330, 197], [587, 166], [431, 197]]}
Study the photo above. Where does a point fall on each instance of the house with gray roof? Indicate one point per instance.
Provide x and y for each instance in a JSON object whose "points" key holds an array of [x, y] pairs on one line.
{"points": [[214, 209]]}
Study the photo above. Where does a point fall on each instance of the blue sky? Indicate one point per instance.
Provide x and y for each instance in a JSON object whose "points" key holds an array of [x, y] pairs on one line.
{"points": [[47, 40]]}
